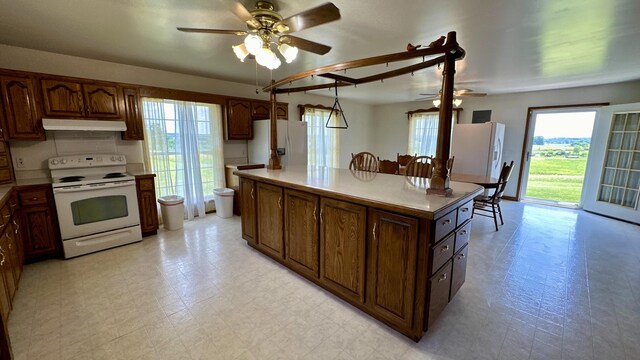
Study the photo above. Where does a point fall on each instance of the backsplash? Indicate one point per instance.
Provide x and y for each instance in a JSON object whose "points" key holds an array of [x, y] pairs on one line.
{"points": [[30, 157]]}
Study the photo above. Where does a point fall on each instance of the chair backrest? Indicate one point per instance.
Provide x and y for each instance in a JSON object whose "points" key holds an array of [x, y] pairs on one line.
{"points": [[363, 161], [388, 166], [420, 166], [505, 175], [450, 164], [403, 160]]}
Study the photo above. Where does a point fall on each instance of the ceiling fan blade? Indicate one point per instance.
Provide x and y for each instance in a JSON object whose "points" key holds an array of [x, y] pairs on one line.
{"points": [[308, 19], [477, 94], [213, 31], [306, 45], [240, 11]]}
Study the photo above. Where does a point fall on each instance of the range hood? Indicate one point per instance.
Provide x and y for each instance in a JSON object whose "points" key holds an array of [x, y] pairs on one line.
{"points": [[83, 125]]}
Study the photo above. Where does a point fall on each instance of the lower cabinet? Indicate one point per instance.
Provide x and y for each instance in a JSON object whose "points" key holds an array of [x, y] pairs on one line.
{"points": [[40, 222], [459, 270], [301, 231], [248, 208], [270, 219], [147, 207], [342, 247], [392, 256], [439, 285]]}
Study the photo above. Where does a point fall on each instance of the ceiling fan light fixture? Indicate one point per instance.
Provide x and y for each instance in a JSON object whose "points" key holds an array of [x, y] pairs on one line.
{"points": [[241, 51], [288, 52], [253, 44], [436, 102], [267, 58], [457, 102]]}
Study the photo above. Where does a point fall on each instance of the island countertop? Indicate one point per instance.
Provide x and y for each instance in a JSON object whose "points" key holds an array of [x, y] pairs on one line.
{"points": [[393, 192]]}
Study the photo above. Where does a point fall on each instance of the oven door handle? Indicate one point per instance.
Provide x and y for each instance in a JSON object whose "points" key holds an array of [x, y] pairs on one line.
{"points": [[94, 187]]}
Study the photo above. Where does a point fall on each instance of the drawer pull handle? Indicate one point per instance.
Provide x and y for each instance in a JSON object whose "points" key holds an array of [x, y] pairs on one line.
{"points": [[321, 219], [7, 216], [461, 256], [280, 202], [314, 213], [444, 248], [443, 277], [374, 230], [35, 198], [464, 209], [253, 197], [463, 232], [446, 222]]}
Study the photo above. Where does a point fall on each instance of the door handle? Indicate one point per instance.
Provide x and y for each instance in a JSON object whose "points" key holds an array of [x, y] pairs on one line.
{"points": [[374, 230], [280, 202], [528, 156], [253, 197]]}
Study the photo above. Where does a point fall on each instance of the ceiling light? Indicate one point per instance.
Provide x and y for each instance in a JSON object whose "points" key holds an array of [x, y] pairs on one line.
{"points": [[253, 43], [436, 102], [456, 102], [267, 58], [288, 52], [241, 51]]}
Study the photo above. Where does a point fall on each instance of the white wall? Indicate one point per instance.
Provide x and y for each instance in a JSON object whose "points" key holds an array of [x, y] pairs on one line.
{"points": [[391, 125], [357, 138]]}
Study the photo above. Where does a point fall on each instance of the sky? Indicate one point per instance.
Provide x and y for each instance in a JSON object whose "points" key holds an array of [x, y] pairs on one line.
{"points": [[565, 124]]}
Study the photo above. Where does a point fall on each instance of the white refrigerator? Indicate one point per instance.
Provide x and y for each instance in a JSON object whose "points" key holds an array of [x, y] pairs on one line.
{"points": [[292, 137], [478, 148]]}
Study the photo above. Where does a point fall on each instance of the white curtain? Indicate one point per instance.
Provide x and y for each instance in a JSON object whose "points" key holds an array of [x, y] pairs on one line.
{"points": [[423, 134], [323, 144], [184, 150]]}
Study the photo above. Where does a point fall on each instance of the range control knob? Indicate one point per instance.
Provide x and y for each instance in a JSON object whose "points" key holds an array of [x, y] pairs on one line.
{"points": [[54, 162], [63, 161], [113, 158], [121, 158]]}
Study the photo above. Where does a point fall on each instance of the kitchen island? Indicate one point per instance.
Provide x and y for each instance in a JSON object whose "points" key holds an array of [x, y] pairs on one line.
{"points": [[378, 241]]}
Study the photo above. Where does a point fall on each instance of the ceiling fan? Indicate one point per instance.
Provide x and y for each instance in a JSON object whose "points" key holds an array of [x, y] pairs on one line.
{"points": [[456, 93], [265, 26]]}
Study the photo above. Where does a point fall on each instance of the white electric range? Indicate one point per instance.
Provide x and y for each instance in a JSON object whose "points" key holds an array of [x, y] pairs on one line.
{"points": [[96, 202]]}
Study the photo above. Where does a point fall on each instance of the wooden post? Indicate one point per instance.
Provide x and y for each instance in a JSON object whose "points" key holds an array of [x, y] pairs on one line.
{"points": [[274, 160], [440, 179]]}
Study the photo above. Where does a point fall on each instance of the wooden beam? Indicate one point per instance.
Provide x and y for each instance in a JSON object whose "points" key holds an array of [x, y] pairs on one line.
{"points": [[450, 47], [340, 78], [309, 88]]}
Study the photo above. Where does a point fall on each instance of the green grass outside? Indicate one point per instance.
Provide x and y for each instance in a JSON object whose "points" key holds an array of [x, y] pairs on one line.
{"points": [[556, 178]]}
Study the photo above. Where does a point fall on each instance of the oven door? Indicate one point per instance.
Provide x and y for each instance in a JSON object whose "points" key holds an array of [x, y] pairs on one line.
{"points": [[94, 208]]}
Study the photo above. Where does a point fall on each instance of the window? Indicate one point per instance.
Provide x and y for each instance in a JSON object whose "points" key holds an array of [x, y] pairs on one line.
{"points": [[423, 132], [322, 143], [184, 149]]}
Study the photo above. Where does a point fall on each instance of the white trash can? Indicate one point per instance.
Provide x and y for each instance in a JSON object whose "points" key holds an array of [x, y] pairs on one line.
{"points": [[172, 209], [224, 202]]}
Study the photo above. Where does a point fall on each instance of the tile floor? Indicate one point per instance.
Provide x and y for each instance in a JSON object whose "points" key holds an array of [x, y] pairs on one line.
{"points": [[551, 284]]}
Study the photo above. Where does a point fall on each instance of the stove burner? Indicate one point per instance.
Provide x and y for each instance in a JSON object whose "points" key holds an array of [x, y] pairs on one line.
{"points": [[67, 179], [114, 175]]}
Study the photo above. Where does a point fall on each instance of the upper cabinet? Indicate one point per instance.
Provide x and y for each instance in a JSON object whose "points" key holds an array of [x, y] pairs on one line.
{"points": [[261, 110], [132, 115], [82, 100], [20, 109], [239, 125]]}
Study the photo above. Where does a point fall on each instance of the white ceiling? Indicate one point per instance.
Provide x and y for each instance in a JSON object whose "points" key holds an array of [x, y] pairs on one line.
{"points": [[511, 45]]}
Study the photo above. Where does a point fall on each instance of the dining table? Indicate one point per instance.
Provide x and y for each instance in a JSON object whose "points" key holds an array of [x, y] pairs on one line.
{"points": [[487, 182]]}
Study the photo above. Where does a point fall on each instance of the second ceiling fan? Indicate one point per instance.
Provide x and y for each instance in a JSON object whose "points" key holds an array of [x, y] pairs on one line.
{"points": [[265, 26]]}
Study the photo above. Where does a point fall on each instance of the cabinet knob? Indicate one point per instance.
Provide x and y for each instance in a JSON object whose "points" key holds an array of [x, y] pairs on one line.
{"points": [[464, 209], [35, 198], [463, 232], [443, 277], [444, 248], [446, 222]]}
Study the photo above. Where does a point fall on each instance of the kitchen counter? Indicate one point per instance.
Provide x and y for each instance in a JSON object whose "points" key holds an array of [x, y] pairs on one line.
{"points": [[377, 241], [6, 188], [396, 192]]}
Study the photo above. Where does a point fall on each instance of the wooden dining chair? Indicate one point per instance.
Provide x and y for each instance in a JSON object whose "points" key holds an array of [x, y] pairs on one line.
{"points": [[419, 166], [388, 166], [450, 164], [363, 161], [488, 204], [403, 160]]}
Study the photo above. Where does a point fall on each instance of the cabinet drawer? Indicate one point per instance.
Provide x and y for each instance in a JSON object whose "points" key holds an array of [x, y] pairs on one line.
{"points": [[5, 215], [5, 175], [4, 161], [33, 197], [445, 225], [459, 271], [462, 236], [439, 291], [146, 184], [3, 147], [441, 253], [464, 212]]}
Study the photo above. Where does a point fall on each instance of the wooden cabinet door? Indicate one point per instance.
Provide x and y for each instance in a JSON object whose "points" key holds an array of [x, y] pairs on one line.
{"points": [[101, 101], [62, 98], [282, 111], [392, 250], [342, 246], [301, 231], [40, 234], [239, 123], [22, 120], [132, 115], [248, 209], [261, 110], [270, 219], [459, 270], [148, 209], [439, 286], [7, 265], [12, 249], [5, 299], [18, 242]]}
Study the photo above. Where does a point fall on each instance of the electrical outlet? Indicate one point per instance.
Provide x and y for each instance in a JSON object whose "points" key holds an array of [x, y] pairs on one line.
{"points": [[20, 162]]}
